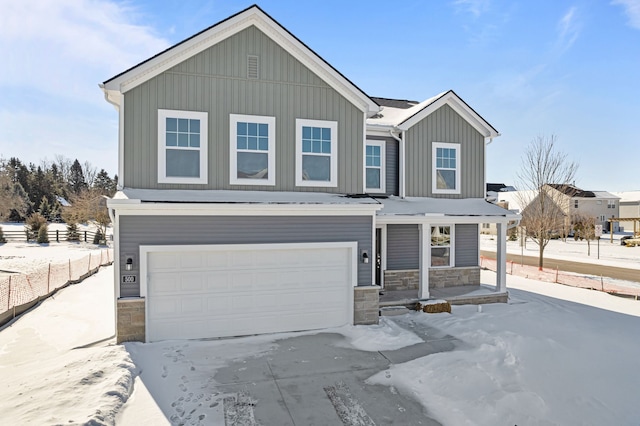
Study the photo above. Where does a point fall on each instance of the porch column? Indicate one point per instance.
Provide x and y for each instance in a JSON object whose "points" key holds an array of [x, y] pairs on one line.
{"points": [[425, 245], [501, 258]]}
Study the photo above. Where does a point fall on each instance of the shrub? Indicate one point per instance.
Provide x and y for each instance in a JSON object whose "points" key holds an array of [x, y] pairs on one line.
{"points": [[43, 236], [98, 238], [72, 232], [33, 225]]}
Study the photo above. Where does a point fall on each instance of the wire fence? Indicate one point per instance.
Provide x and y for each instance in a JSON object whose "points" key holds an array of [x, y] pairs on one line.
{"points": [[591, 282], [18, 292]]}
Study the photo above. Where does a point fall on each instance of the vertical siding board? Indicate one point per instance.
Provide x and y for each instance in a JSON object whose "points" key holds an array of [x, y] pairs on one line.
{"points": [[203, 230]]}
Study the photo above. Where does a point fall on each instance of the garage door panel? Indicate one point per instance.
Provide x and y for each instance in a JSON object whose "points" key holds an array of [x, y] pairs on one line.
{"points": [[216, 293]]}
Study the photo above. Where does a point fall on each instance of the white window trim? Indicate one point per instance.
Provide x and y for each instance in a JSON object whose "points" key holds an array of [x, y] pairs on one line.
{"points": [[434, 171], [333, 125], [163, 114], [233, 151], [383, 188], [452, 250]]}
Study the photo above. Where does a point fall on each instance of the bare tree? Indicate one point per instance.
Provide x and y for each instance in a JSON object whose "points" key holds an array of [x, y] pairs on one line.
{"points": [[584, 228], [89, 206], [90, 173], [543, 171]]}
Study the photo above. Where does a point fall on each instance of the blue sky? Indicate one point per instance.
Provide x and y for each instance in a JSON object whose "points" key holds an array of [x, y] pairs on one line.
{"points": [[564, 68]]}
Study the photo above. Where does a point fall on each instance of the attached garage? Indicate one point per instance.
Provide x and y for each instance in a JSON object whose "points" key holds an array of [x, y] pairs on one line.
{"points": [[198, 291]]}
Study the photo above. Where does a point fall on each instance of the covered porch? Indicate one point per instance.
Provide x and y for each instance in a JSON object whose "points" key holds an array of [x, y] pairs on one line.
{"points": [[429, 249]]}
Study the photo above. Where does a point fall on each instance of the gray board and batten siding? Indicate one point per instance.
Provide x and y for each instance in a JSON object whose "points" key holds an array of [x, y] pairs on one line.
{"points": [[391, 164], [210, 230], [403, 246], [215, 81], [444, 125]]}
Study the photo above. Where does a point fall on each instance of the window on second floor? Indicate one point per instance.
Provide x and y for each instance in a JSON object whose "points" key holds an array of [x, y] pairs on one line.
{"points": [[575, 204], [611, 204], [446, 168], [252, 150], [374, 166], [316, 153], [182, 146]]}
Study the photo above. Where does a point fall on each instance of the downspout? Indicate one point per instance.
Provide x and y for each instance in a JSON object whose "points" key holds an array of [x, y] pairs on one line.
{"points": [[120, 108], [401, 163], [485, 167]]}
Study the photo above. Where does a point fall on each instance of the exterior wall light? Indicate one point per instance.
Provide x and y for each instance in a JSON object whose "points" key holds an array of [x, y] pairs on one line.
{"points": [[128, 264], [365, 257]]}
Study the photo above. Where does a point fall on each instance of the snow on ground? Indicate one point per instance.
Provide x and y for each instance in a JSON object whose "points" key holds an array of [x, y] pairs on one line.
{"points": [[611, 254], [554, 355], [23, 257]]}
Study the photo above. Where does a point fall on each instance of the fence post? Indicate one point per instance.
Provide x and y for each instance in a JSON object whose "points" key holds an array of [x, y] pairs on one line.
{"points": [[49, 278], [556, 274], [57, 236], [69, 269], [9, 295], [601, 283], [89, 264], [85, 236]]}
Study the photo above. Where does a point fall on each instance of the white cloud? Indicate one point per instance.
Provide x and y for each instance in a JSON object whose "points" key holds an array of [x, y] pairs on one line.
{"points": [[66, 47], [569, 29], [474, 7], [632, 9]]}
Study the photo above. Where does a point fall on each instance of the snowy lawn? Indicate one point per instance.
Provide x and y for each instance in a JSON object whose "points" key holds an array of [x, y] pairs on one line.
{"points": [[611, 254], [553, 355]]}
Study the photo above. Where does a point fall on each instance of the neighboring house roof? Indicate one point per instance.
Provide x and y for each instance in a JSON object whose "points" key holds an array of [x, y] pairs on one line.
{"points": [[605, 195], [628, 196], [403, 114], [575, 192], [226, 28]]}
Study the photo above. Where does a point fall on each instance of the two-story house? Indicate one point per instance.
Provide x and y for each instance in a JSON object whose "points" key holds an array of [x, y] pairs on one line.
{"points": [[262, 191]]}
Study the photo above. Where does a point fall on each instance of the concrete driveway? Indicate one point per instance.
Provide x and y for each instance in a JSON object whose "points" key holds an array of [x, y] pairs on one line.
{"points": [[313, 380]]}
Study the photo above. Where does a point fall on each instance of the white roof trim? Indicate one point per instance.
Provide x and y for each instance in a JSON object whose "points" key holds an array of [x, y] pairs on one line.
{"points": [[458, 105], [227, 28]]}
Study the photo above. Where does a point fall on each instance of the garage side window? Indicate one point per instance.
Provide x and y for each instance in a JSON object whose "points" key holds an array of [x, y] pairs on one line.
{"points": [[182, 146], [441, 245], [316, 153], [446, 168], [252, 150]]}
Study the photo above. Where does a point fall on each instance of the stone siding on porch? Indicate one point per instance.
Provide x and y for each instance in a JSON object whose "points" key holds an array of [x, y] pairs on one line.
{"points": [[449, 277], [407, 279]]}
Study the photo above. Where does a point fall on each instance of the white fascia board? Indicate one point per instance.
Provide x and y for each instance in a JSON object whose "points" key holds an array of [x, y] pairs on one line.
{"points": [[443, 219], [238, 209], [379, 129], [458, 106], [230, 27]]}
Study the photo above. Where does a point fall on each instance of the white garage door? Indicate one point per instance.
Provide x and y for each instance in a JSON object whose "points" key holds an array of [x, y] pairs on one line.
{"points": [[216, 291]]}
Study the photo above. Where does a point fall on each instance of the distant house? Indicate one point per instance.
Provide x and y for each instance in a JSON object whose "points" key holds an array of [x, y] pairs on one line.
{"points": [[572, 201], [262, 191], [629, 208]]}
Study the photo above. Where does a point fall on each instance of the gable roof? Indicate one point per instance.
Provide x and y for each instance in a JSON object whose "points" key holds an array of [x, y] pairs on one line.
{"points": [[572, 191], [224, 29], [403, 115]]}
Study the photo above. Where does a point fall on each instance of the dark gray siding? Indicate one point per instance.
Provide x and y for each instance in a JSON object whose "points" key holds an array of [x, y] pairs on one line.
{"points": [[185, 230], [444, 125], [466, 245], [403, 247], [215, 81]]}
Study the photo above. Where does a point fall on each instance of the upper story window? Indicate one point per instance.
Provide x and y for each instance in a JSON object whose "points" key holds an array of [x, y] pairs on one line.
{"points": [[374, 166], [611, 204], [182, 146], [441, 245], [252, 150], [575, 204], [316, 153], [446, 168]]}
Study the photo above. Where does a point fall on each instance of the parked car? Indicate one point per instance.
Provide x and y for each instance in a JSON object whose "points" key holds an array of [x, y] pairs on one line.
{"points": [[623, 240]]}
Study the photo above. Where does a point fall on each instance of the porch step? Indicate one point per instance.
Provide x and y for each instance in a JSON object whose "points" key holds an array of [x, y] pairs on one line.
{"points": [[392, 311]]}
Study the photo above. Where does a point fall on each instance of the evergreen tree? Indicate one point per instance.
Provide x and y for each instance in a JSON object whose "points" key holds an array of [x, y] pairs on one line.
{"points": [[43, 234], [72, 232], [104, 184], [76, 178], [45, 208]]}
